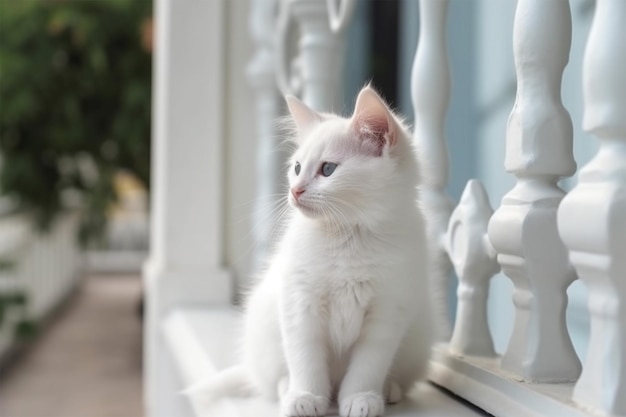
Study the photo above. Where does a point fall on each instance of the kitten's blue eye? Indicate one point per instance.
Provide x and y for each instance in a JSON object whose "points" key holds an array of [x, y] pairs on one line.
{"points": [[297, 168], [328, 168]]}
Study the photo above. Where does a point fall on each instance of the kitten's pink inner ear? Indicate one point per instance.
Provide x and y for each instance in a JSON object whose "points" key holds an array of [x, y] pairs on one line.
{"points": [[302, 114], [373, 120]]}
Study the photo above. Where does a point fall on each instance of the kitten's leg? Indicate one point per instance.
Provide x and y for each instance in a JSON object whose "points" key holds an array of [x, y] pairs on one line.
{"points": [[411, 361], [283, 387], [361, 393], [393, 391], [306, 354]]}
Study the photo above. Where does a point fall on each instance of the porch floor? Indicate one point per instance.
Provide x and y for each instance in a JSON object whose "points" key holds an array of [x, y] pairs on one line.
{"points": [[88, 361]]}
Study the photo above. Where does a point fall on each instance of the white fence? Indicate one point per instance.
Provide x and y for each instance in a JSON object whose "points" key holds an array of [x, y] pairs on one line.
{"points": [[540, 237], [38, 272]]}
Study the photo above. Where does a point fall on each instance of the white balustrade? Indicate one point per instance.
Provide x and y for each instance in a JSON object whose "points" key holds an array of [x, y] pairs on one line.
{"points": [[538, 374], [262, 77], [459, 237], [340, 16], [44, 269], [321, 52], [430, 88], [320, 47], [524, 229], [592, 217], [474, 261]]}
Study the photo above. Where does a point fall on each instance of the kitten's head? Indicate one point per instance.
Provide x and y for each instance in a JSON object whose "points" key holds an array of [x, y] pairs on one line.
{"points": [[350, 170]]}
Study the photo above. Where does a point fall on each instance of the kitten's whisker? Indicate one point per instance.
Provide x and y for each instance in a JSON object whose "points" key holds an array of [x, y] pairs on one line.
{"points": [[274, 217], [342, 229]]}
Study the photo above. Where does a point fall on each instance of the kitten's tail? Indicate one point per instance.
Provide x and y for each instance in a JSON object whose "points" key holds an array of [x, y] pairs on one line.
{"points": [[231, 382]]}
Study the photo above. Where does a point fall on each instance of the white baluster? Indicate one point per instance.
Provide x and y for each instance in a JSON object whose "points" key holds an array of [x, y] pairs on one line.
{"points": [[474, 261], [339, 19], [524, 229], [592, 217], [321, 51], [262, 77], [430, 84]]}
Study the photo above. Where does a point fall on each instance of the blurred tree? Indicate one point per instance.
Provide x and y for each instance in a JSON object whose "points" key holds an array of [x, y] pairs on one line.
{"points": [[75, 84]]}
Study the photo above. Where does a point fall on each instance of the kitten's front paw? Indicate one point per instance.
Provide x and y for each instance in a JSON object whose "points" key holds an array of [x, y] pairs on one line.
{"points": [[362, 404], [304, 404]]}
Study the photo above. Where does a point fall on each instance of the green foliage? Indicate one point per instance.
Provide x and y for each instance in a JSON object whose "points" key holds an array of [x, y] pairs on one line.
{"points": [[17, 298], [74, 102], [25, 330], [6, 265], [12, 300]]}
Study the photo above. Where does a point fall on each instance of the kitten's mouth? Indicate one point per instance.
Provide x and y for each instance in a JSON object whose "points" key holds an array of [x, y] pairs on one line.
{"points": [[306, 210]]}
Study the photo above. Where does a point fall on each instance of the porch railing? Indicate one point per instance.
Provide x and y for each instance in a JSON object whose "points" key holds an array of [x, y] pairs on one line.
{"points": [[542, 238], [37, 272]]}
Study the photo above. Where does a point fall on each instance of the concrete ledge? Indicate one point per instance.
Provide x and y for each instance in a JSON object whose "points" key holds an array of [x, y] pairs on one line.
{"points": [[482, 382], [202, 342]]}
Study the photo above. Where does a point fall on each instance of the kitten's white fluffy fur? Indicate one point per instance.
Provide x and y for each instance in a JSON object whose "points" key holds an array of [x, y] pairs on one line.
{"points": [[343, 311]]}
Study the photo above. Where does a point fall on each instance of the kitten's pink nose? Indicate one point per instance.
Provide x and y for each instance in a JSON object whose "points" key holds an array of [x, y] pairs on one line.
{"points": [[297, 192]]}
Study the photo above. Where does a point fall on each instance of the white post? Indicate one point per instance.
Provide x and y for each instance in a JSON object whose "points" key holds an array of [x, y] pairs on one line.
{"points": [[592, 218], [474, 261], [430, 87], [321, 51], [186, 259], [262, 77], [524, 229]]}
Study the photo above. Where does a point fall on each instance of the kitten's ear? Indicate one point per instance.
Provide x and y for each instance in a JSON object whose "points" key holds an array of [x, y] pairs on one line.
{"points": [[373, 120], [303, 115]]}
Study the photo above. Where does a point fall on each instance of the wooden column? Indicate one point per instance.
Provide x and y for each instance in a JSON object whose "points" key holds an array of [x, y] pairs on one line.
{"points": [[430, 87], [524, 229], [320, 50], [474, 261], [186, 249], [592, 218]]}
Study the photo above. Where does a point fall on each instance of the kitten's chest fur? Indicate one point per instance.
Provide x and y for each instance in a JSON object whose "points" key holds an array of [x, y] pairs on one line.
{"points": [[347, 304], [343, 285]]}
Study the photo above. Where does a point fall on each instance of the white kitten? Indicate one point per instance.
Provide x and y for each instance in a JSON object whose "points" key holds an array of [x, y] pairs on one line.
{"points": [[343, 311]]}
